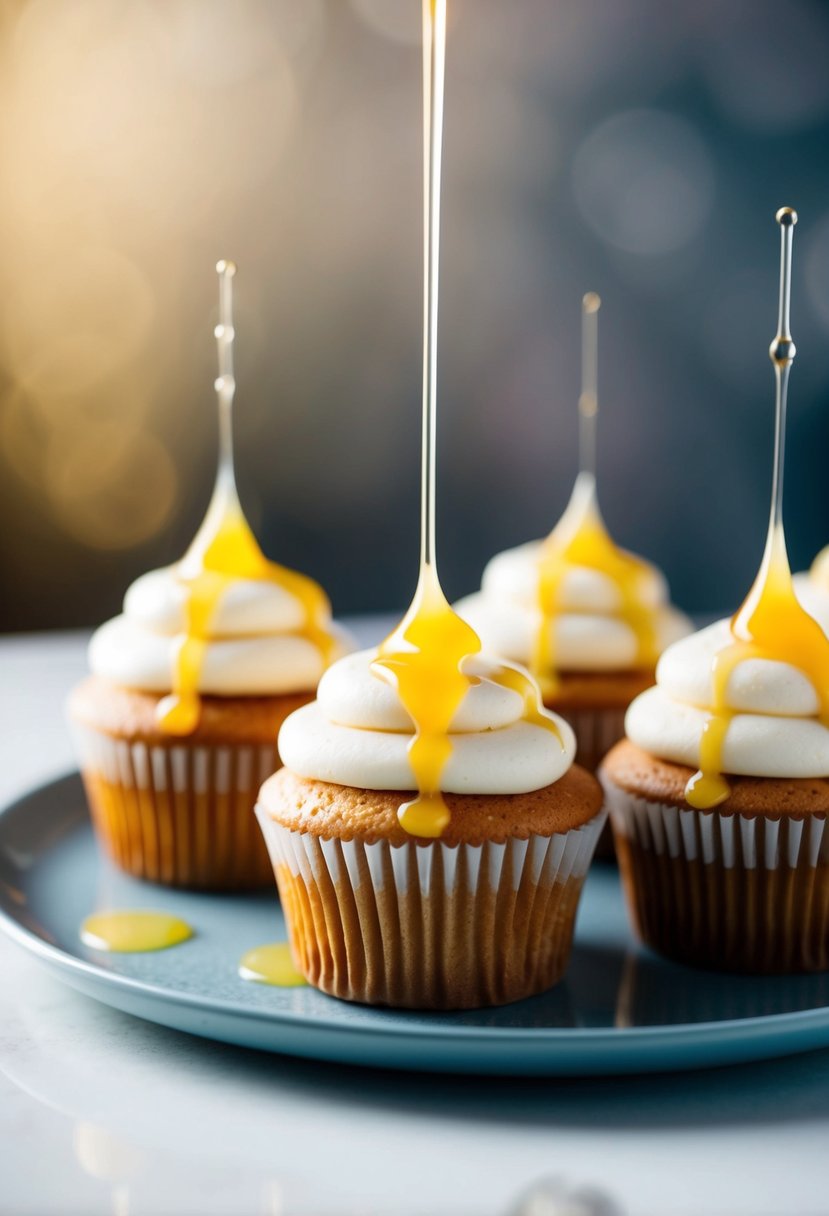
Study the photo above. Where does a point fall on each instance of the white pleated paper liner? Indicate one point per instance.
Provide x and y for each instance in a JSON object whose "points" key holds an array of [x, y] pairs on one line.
{"points": [[181, 814], [733, 892], [431, 926], [596, 731]]}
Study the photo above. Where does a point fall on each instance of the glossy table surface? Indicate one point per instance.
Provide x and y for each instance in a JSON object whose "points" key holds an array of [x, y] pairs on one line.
{"points": [[103, 1113]]}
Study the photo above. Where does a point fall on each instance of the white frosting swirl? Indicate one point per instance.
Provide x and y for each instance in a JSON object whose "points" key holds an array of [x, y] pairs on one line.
{"points": [[774, 730], [257, 645], [357, 733], [812, 589], [588, 631]]}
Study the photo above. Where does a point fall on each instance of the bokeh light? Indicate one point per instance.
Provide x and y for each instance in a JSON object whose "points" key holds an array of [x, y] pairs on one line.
{"points": [[644, 182], [395, 19], [635, 149]]}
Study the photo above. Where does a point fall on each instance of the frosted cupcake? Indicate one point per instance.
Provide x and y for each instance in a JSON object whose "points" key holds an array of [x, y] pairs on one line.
{"points": [[588, 619], [812, 586], [401, 892], [720, 794], [429, 832], [177, 724]]}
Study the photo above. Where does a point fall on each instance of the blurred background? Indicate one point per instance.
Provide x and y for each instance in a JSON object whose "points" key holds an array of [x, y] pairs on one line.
{"points": [[624, 146]]}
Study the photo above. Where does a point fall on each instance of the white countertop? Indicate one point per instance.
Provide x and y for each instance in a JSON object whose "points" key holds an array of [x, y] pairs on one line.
{"points": [[103, 1113]]}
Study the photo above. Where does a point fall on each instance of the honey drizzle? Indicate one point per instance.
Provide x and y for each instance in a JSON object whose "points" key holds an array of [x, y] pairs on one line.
{"points": [[581, 538], [134, 932], [771, 624], [225, 550], [272, 964], [424, 657]]}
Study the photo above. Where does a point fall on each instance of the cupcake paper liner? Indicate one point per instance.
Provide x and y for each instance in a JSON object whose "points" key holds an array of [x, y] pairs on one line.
{"points": [[596, 731], [181, 814], [430, 926], [732, 892]]}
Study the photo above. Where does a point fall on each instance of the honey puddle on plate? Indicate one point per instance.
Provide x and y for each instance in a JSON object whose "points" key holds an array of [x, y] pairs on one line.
{"points": [[134, 932], [272, 964]]}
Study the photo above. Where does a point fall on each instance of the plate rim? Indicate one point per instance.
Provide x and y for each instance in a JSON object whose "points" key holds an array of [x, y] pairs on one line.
{"points": [[625, 1039]]}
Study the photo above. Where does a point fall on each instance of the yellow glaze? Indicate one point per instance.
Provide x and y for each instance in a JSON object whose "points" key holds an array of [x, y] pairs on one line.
{"points": [[423, 658], [130, 932], [272, 964], [770, 625], [225, 551], [581, 539]]}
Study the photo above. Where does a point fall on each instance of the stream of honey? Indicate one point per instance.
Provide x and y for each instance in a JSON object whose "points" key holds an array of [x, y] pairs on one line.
{"points": [[771, 624], [225, 550], [424, 657], [581, 538]]}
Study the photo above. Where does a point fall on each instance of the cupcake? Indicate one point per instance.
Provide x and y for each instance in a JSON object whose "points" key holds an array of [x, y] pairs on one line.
{"points": [[429, 832], [425, 867], [587, 618], [730, 873], [812, 586], [176, 726], [720, 793]]}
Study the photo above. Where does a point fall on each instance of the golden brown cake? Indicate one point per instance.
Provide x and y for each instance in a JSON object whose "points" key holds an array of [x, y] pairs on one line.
{"points": [[744, 887], [173, 812]]}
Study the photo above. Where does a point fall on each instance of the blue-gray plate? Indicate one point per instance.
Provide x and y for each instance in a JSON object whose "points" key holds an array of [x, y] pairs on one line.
{"points": [[619, 1010]]}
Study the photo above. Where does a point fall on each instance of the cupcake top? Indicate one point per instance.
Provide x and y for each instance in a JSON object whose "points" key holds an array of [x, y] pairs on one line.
{"points": [[812, 586], [224, 621], [575, 601], [746, 696], [428, 712]]}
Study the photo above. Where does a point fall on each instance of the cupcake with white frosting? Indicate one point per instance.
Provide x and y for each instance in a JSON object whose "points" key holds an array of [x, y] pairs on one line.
{"points": [[172, 759], [171, 800], [737, 880], [812, 586], [719, 796], [177, 724], [588, 619], [481, 912]]}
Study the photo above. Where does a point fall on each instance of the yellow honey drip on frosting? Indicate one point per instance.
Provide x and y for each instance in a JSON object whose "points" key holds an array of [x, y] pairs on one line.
{"points": [[771, 624], [223, 552], [424, 657], [581, 539]]}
